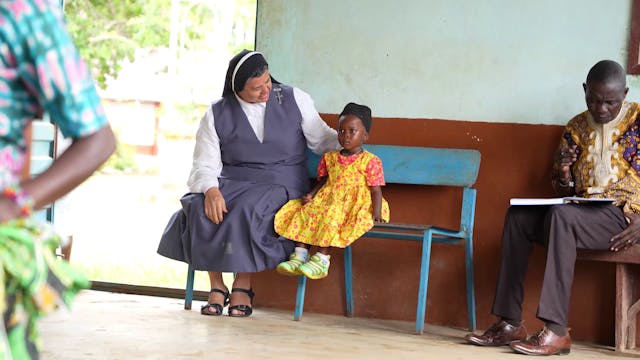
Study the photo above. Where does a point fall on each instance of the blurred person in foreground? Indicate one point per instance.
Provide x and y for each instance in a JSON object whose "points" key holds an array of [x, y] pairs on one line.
{"points": [[40, 72]]}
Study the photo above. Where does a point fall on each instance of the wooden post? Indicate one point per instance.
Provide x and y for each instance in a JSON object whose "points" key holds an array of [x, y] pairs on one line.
{"points": [[622, 304]]}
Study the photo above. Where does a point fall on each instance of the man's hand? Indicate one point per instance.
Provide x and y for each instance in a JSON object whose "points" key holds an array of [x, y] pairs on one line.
{"points": [[565, 158], [214, 205], [629, 236]]}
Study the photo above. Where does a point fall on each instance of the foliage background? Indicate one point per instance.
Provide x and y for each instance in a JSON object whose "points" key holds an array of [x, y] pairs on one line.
{"points": [[110, 32]]}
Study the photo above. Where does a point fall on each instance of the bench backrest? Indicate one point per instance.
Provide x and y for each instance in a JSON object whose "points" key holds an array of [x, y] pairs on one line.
{"points": [[421, 165]]}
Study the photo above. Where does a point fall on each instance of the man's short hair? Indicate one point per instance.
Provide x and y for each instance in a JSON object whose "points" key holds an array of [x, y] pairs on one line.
{"points": [[607, 71]]}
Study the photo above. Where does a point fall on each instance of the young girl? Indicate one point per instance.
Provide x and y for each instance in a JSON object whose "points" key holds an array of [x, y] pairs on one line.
{"points": [[342, 206]]}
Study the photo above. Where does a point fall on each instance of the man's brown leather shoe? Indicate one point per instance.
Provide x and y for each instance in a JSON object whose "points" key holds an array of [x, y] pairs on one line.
{"points": [[499, 334], [544, 342]]}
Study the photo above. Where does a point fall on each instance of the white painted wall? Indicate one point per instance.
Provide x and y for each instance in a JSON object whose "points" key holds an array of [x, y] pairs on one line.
{"points": [[518, 61]]}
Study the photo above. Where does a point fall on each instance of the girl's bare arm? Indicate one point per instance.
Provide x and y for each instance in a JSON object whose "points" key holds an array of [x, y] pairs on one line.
{"points": [[376, 199]]}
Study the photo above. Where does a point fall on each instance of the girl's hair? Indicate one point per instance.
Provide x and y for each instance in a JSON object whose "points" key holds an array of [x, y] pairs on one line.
{"points": [[362, 112]]}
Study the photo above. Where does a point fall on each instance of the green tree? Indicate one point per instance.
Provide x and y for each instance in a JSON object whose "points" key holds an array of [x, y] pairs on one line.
{"points": [[244, 18], [110, 31]]}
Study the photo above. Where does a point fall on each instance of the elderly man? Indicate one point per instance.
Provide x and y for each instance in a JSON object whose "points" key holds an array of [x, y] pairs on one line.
{"points": [[597, 158]]}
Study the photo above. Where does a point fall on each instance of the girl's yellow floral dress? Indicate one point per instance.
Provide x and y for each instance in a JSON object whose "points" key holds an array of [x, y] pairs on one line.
{"points": [[341, 210]]}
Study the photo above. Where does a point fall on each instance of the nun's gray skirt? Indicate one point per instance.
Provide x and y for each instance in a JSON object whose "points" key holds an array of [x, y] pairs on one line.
{"points": [[245, 241]]}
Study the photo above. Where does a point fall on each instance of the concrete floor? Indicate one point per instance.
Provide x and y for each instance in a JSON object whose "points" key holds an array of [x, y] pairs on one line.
{"points": [[112, 326]]}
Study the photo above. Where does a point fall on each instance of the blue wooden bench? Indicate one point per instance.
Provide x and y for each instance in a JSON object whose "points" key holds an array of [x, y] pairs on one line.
{"points": [[421, 166]]}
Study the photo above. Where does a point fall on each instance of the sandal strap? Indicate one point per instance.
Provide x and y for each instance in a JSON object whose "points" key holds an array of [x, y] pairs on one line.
{"points": [[246, 291], [217, 307], [246, 310], [223, 292]]}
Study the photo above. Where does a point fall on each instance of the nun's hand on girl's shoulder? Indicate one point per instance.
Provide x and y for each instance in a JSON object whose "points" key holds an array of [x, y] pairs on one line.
{"points": [[307, 198]]}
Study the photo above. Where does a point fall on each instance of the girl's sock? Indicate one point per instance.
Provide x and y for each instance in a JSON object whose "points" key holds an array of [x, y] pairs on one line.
{"points": [[325, 257], [302, 253]]}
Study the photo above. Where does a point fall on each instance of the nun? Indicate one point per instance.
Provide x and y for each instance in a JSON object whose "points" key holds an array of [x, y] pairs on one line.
{"points": [[249, 160]]}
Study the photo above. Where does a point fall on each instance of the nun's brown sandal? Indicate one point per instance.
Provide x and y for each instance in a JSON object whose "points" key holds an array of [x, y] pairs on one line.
{"points": [[245, 310], [206, 309]]}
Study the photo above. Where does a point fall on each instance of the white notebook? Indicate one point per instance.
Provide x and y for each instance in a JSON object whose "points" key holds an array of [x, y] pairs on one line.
{"points": [[557, 201]]}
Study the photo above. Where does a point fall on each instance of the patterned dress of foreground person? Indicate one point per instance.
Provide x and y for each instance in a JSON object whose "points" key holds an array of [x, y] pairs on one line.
{"points": [[40, 72]]}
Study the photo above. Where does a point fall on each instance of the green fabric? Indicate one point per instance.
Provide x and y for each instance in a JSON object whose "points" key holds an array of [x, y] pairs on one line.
{"points": [[35, 282]]}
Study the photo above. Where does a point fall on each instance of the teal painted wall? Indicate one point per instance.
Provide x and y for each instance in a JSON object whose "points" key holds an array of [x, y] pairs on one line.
{"points": [[515, 61]]}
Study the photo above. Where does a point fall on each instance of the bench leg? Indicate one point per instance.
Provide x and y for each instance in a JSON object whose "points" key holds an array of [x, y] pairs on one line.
{"points": [[632, 315], [302, 284], [348, 280], [471, 297], [424, 282], [188, 294], [627, 307]]}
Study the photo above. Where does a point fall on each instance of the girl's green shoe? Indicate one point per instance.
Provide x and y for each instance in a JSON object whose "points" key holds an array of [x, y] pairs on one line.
{"points": [[291, 266], [316, 268]]}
